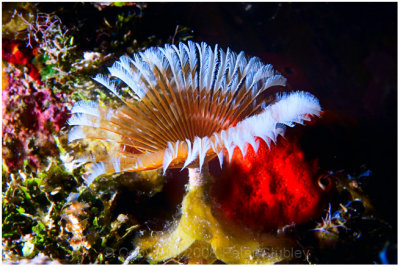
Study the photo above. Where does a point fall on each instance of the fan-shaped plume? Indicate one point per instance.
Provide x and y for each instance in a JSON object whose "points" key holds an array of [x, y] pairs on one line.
{"points": [[194, 103]]}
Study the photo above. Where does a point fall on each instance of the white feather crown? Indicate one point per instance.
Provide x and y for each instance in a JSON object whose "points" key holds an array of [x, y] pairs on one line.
{"points": [[192, 104]]}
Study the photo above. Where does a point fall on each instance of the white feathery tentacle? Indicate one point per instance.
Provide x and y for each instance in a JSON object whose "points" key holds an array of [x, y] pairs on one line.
{"points": [[212, 67], [117, 70], [201, 48], [275, 81], [184, 64], [195, 149], [96, 170], [221, 70], [216, 147], [226, 140], [87, 107], [220, 156], [170, 154], [84, 120], [76, 133], [177, 68], [189, 153], [108, 84], [116, 162], [204, 147]]}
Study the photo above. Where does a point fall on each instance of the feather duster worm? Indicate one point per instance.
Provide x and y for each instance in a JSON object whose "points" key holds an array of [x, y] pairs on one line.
{"points": [[184, 105], [194, 102]]}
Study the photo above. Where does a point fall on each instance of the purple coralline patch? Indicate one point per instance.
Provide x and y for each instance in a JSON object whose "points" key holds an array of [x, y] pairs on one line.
{"points": [[31, 114]]}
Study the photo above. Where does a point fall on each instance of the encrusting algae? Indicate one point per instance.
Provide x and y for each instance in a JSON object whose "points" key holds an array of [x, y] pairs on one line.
{"points": [[181, 107]]}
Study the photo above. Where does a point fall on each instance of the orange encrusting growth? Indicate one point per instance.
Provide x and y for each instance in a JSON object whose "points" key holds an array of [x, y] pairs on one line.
{"points": [[268, 189]]}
